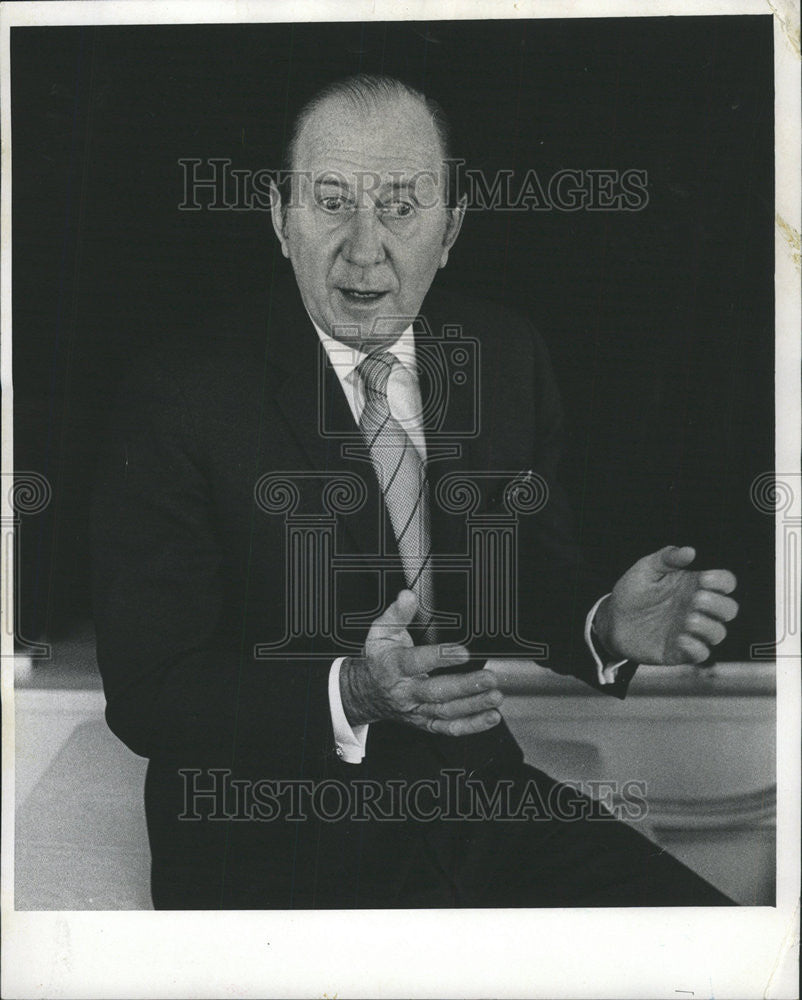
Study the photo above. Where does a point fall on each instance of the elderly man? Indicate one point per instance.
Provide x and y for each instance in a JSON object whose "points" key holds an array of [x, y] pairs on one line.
{"points": [[264, 704]]}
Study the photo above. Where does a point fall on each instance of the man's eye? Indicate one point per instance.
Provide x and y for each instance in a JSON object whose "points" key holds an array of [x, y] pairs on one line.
{"points": [[333, 203], [398, 209]]}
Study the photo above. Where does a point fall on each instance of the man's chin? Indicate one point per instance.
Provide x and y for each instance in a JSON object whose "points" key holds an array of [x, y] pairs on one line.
{"points": [[367, 323]]}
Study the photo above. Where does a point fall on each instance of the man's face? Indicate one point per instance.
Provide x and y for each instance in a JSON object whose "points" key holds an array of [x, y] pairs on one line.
{"points": [[368, 226]]}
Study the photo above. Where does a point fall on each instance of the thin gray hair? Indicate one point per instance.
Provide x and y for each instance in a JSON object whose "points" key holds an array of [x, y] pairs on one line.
{"points": [[366, 90]]}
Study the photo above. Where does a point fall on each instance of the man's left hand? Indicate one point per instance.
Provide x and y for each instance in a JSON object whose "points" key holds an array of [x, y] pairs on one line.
{"points": [[661, 611]]}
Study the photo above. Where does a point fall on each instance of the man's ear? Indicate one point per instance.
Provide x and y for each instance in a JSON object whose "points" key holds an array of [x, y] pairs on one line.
{"points": [[279, 216], [453, 226]]}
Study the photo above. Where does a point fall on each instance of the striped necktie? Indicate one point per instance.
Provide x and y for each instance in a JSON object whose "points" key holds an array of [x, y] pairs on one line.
{"points": [[404, 482]]}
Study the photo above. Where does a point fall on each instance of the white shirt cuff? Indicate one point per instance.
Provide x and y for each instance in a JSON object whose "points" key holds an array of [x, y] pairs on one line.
{"points": [[606, 672], [349, 742]]}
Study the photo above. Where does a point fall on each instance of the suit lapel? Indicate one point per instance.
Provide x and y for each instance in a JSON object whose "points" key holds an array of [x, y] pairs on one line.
{"points": [[317, 417], [452, 421]]}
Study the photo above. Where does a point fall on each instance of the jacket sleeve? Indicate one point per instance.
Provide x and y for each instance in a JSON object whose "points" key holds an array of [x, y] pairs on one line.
{"points": [[557, 586], [179, 682]]}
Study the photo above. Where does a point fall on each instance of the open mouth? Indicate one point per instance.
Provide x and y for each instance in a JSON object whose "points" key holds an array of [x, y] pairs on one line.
{"points": [[360, 296]]}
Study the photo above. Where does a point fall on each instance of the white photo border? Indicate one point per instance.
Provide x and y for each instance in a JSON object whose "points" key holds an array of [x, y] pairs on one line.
{"points": [[651, 952]]}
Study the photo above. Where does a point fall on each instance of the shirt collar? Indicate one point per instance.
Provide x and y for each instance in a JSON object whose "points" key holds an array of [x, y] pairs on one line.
{"points": [[344, 359]]}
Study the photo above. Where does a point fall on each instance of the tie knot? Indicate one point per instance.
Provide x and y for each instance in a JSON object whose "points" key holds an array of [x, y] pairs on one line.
{"points": [[375, 372]]}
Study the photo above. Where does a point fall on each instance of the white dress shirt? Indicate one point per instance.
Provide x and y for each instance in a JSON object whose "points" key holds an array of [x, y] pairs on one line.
{"points": [[404, 399]]}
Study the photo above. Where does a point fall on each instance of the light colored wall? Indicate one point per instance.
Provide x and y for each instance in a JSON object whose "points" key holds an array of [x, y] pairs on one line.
{"points": [[702, 741]]}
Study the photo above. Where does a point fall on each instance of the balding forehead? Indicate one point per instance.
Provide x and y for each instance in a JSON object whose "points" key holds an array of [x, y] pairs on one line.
{"points": [[383, 127]]}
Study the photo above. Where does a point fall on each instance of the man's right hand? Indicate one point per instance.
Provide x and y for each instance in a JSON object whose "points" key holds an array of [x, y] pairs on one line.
{"points": [[390, 682]]}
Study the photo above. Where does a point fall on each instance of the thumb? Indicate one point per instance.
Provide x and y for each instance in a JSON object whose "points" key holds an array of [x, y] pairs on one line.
{"points": [[400, 613], [674, 557]]}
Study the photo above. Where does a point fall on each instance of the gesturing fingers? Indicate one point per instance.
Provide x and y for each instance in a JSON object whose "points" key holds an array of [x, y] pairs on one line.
{"points": [[719, 580], [715, 605], [447, 687], [465, 726], [709, 630], [422, 659], [673, 557], [461, 708], [395, 618], [693, 650], [458, 705]]}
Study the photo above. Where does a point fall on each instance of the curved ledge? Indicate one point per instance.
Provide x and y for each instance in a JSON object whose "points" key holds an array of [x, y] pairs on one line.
{"points": [[730, 812], [525, 677]]}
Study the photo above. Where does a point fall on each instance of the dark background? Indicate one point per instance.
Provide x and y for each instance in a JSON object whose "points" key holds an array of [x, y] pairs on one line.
{"points": [[660, 322]]}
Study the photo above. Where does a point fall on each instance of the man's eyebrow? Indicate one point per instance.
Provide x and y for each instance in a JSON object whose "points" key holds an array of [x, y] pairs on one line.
{"points": [[392, 187], [400, 187], [332, 180]]}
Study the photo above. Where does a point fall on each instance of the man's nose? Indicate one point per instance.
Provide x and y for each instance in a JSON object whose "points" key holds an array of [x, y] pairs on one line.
{"points": [[363, 242]]}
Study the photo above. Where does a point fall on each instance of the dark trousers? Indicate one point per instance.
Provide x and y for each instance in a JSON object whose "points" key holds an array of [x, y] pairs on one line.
{"points": [[554, 847]]}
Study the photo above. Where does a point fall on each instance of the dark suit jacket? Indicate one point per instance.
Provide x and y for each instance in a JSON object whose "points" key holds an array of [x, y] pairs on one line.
{"points": [[190, 537]]}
